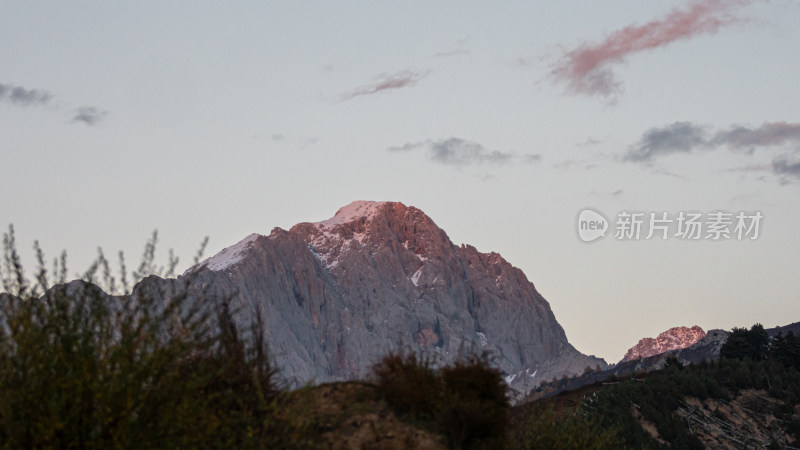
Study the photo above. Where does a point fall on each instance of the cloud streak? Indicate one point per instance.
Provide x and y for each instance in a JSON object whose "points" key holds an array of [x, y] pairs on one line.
{"points": [[768, 134], [386, 82], [679, 137], [588, 68], [457, 152], [21, 96], [787, 165], [458, 48], [687, 137], [460, 152], [88, 115]]}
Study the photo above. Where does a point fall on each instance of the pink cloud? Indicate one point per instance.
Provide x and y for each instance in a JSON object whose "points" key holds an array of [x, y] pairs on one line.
{"points": [[587, 69], [385, 82]]}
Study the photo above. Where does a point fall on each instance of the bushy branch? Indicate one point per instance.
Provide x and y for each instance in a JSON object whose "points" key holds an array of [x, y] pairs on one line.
{"points": [[80, 368], [99, 272]]}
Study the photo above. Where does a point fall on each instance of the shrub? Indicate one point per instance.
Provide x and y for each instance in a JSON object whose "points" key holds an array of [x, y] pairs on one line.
{"points": [[409, 385], [475, 411], [743, 343], [83, 369], [543, 429], [465, 402]]}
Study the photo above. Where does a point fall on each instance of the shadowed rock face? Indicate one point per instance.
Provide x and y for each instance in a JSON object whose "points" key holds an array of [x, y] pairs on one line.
{"points": [[337, 295]]}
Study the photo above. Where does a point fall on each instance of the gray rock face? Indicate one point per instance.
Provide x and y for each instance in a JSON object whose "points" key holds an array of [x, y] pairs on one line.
{"points": [[707, 348], [337, 295]]}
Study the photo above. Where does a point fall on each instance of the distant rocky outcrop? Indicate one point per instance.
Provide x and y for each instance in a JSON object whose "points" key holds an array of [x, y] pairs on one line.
{"points": [[793, 328], [337, 295], [706, 349], [673, 339]]}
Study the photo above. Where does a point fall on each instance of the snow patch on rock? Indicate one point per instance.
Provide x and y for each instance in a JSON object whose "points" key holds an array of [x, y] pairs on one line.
{"points": [[351, 212], [229, 255], [482, 339], [415, 277]]}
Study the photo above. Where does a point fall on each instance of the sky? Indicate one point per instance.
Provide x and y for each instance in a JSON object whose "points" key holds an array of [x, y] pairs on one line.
{"points": [[501, 120]]}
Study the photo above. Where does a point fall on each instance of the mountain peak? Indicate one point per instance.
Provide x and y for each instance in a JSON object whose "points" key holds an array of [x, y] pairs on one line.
{"points": [[354, 211], [339, 293], [229, 255], [675, 338]]}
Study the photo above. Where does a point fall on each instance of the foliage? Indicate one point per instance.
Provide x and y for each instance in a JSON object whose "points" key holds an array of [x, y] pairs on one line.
{"points": [[658, 396], [475, 408], [82, 369], [743, 343], [410, 385], [786, 350], [543, 429], [465, 402], [14, 281]]}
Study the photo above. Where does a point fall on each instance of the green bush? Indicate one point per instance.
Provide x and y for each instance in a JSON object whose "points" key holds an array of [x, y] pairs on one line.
{"points": [[83, 369], [743, 343], [465, 402], [543, 429], [475, 411], [409, 385]]}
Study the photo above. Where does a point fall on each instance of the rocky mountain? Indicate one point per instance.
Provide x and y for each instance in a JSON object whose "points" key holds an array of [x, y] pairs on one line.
{"points": [[705, 349], [337, 295], [673, 339]]}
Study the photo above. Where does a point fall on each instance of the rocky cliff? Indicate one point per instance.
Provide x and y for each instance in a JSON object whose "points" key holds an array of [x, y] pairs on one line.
{"points": [[338, 294], [673, 339]]}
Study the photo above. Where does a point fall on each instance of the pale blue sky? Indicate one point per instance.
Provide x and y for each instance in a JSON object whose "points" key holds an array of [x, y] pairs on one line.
{"points": [[199, 118]]}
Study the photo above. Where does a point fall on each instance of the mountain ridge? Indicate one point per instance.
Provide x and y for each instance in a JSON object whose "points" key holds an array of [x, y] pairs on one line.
{"points": [[676, 338], [338, 294]]}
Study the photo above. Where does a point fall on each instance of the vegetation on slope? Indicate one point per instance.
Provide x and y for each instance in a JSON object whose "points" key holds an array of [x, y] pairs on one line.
{"points": [[81, 368], [660, 398]]}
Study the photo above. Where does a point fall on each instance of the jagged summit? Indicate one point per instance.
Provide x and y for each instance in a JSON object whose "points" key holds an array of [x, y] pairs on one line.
{"points": [[359, 209], [228, 256], [351, 222], [379, 227], [673, 339], [337, 295]]}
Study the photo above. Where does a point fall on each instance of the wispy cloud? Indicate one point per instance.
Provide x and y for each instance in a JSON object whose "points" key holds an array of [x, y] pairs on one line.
{"points": [[589, 142], [408, 146], [88, 115], [687, 137], [768, 134], [459, 152], [21, 96], [588, 68], [787, 165], [532, 158], [576, 164], [385, 82], [679, 137], [457, 48]]}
